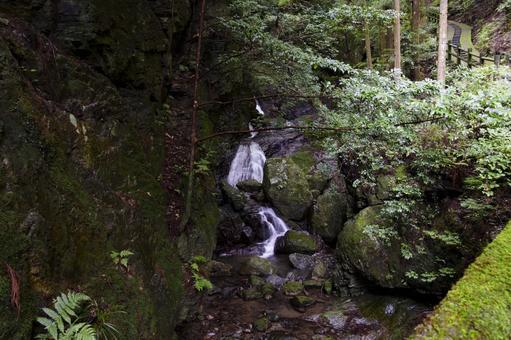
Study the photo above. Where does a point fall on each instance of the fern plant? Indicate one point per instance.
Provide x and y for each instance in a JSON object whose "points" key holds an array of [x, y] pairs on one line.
{"points": [[75, 316], [63, 323], [200, 282]]}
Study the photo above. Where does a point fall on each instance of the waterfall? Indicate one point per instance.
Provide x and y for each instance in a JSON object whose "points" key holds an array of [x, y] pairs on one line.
{"points": [[247, 164], [258, 108], [276, 227]]}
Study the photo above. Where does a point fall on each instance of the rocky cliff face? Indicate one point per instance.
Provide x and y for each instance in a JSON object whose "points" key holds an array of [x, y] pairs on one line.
{"points": [[83, 87]]}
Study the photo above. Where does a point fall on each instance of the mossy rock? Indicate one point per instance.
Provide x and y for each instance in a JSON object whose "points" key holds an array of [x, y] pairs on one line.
{"points": [[329, 214], [235, 197], [292, 288], [286, 186], [255, 265], [262, 324], [296, 242], [301, 302], [252, 293], [393, 255]]}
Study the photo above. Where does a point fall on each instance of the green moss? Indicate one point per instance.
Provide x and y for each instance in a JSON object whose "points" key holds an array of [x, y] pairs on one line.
{"points": [[479, 305], [304, 159], [292, 287]]}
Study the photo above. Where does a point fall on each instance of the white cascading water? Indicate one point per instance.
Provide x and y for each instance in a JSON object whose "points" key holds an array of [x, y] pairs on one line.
{"points": [[276, 228], [249, 164]]}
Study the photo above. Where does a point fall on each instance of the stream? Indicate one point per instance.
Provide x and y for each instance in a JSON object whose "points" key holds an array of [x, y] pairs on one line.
{"points": [[247, 306]]}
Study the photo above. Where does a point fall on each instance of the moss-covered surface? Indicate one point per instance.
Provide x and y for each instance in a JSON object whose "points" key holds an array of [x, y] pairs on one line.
{"points": [[479, 305], [80, 175]]}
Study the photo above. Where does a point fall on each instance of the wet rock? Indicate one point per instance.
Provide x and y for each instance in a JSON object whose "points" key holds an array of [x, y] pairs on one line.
{"points": [[301, 302], [218, 269], [257, 266], [261, 324], [286, 186], [313, 283], [256, 281], [235, 197], [329, 214], [328, 286], [320, 269], [301, 261], [275, 280], [251, 186], [251, 294], [336, 319], [267, 290], [291, 288], [296, 242], [298, 275]]}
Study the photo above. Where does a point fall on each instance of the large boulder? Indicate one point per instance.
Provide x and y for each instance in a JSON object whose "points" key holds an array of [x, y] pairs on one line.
{"points": [[297, 242], [329, 214], [398, 255], [286, 186]]}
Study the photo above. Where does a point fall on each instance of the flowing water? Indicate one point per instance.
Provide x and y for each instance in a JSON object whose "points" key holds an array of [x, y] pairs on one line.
{"points": [[248, 164], [276, 228]]}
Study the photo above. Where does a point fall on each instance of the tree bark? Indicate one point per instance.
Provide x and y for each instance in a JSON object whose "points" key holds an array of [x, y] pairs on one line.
{"points": [[397, 39], [369, 55], [416, 30], [442, 41]]}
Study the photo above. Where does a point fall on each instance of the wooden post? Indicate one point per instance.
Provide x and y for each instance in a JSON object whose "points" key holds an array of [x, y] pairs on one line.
{"points": [[458, 51], [469, 58], [496, 59], [481, 59], [449, 50]]}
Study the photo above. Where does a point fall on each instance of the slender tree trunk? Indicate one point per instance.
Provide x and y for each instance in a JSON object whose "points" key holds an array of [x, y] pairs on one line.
{"points": [[442, 40], [397, 39], [416, 30], [368, 45]]}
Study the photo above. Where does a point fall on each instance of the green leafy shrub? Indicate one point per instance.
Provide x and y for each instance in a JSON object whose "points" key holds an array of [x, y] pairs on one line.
{"points": [[121, 258]]}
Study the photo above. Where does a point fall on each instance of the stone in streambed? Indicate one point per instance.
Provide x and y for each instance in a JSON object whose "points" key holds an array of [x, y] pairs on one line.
{"points": [[261, 324], [292, 288], [301, 302], [251, 294], [257, 266], [301, 261], [313, 283], [256, 281], [296, 242], [319, 270], [218, 269]]}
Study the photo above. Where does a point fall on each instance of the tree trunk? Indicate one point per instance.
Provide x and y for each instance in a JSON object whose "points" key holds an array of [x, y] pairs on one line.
{"points": [[368, 45], [416, 30], [397, 39], [442, 41]]}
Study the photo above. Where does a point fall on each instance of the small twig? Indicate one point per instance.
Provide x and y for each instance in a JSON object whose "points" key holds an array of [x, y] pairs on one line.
{"points": [[15, 289]]}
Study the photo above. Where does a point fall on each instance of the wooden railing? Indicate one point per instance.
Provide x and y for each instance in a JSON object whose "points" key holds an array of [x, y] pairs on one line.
{"points": [[458, 55]]}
